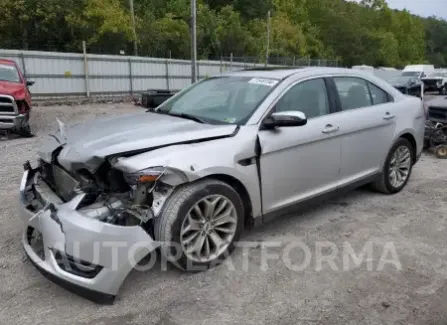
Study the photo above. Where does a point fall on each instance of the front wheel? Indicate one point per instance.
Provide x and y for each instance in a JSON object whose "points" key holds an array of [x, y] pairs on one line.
{"points": [[397, 168], [200, 224], [24, 130]]}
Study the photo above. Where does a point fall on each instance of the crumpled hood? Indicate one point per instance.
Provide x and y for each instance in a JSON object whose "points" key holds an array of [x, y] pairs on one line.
{"points": [[85, 145], [13, 89]]}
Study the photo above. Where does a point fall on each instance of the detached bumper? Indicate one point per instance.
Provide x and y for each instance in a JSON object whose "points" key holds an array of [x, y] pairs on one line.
{"points": [[8, 122], [84, 255]]}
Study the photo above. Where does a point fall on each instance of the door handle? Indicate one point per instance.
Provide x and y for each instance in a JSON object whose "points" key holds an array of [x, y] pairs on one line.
{"points": [[330, 129], [388, 116]]}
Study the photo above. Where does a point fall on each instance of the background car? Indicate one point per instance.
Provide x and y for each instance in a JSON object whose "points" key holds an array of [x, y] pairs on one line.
{"points": [[15, 99]]}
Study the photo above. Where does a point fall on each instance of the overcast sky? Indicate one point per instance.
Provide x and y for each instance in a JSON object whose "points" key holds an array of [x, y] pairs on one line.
{"points": [[423, 8]]}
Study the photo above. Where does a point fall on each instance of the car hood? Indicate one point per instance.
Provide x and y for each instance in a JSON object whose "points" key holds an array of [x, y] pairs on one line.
{"points": [[13, 89], [86, 145]]}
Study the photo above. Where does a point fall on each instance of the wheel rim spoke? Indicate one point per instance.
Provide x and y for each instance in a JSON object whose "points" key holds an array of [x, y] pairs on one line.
{"points": [[400, 165], [208, 228]]}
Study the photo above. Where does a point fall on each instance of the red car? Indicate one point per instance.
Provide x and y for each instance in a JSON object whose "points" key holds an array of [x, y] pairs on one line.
{"points": [[15, 99]]}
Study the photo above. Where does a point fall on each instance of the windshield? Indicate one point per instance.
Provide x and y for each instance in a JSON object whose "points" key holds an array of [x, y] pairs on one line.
{"points": [[400, 79], [222, 99], [438, 74], [411, 73], [9, 73]]}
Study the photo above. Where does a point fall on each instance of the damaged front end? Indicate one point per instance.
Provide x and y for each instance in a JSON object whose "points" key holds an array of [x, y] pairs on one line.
{"points": [[86, 231]]}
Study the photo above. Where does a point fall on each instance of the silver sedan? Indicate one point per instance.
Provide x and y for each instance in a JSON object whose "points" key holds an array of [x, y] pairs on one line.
{"points": [[228, 152]]}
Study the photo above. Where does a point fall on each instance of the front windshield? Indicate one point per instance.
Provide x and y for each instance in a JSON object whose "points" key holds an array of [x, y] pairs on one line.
{"points": [[9, 73], [438, 74], [410, 73], [400, 79], [221, 100]]}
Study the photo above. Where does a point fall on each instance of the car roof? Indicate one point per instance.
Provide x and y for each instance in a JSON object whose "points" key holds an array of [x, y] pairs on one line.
{"points": [[282, 73], [7, 62]]}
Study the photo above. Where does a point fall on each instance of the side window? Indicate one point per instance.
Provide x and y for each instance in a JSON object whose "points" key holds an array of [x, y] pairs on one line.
{"points": [[353, 92], [309, 97], [378, 95]]}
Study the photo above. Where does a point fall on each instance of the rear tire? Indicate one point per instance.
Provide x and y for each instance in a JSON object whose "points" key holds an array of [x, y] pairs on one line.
{"points": [[190, 221], [397, 168]]}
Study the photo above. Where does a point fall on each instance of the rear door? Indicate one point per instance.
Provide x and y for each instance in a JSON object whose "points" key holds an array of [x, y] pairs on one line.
{"points": [[366, 128]]}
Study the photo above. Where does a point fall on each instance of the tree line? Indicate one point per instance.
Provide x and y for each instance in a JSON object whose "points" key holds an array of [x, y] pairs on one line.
{"points": [[352, 32]]}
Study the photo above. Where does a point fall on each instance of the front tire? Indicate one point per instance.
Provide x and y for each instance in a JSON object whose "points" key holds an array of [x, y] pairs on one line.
{"points": [[25, 128], [397, 168], [200, 224]]}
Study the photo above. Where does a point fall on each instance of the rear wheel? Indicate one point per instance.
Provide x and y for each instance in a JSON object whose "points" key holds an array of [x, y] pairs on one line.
{"points": [[397, 168], [200, 224], [443, 90]]}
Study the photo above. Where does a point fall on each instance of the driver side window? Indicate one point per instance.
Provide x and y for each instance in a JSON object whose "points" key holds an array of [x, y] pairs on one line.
{"points": [[309, 97]]}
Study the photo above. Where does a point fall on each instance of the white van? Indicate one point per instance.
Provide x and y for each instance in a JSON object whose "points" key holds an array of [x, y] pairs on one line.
{"points": [[418, 70]]}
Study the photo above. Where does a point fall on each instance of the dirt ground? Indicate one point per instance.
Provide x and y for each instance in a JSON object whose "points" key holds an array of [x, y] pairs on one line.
{"points": [[411, 224]]}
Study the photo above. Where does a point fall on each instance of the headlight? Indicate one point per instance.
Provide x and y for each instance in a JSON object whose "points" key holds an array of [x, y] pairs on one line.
{"points": [[147, 175]]}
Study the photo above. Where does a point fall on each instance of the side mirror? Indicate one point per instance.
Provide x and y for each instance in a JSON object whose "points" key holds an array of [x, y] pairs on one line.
{"points": [[284, 119], [29, 83]]}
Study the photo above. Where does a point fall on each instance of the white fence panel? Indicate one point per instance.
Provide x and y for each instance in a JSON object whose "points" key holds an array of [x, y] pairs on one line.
{"points": [[62, 74]]}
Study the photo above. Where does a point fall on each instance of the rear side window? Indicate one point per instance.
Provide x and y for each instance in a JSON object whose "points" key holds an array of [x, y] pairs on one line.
{"points": [[378, 95], [353, 92]]}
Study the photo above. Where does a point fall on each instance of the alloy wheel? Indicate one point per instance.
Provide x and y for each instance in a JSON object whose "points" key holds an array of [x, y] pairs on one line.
{"points": [[208, 228], [400, 166]]}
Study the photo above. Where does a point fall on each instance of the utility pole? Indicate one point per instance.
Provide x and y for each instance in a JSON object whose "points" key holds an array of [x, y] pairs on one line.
{"points": [[132, 14], [193, 43], [268, 39]]}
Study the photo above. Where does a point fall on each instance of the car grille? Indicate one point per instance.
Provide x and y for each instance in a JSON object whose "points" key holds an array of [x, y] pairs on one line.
{"points": [[431, 82], [75, 266], [8, 105], [59, 180], [437, 114]]}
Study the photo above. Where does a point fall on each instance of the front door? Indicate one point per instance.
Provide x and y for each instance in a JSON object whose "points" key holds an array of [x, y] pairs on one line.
{"points": [[301, 162]]}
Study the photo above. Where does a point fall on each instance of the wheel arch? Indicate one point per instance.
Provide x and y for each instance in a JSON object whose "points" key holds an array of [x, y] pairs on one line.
{"points": [[408, 136], [240, 188]]}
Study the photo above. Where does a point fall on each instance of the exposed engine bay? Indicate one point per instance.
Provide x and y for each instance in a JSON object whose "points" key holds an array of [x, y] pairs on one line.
{"points": [[108, 195]]}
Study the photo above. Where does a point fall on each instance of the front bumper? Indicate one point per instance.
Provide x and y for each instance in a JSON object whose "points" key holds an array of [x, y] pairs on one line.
{"points": [[8, 122], [112, 250]]}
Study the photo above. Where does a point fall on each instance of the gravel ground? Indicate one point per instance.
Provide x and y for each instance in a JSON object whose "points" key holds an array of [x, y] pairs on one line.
{"points": [[412, 224]]}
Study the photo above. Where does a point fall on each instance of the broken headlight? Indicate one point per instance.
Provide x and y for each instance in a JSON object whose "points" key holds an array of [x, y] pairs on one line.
{"points": [[144, 176]]}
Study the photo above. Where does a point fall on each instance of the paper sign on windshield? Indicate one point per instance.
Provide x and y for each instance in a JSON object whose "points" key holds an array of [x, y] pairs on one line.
{"points": [[5, 66], [264, 82]]}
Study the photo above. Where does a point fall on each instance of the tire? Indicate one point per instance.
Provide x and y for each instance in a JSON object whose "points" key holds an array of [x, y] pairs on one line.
{"points": [[383, 183], [441, 151], [25, 129], [169, 227], [443, 90]]}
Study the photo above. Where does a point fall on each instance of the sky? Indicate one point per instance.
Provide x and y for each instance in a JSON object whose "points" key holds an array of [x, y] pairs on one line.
{"points": [[424, 8]]}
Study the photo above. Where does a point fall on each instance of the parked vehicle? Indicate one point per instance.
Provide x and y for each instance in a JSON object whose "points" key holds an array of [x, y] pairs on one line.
{"points": [[418, 70], [154, 98], [15, 99], [436, 81], [228, 152], [407, 84], [436, 127]]}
